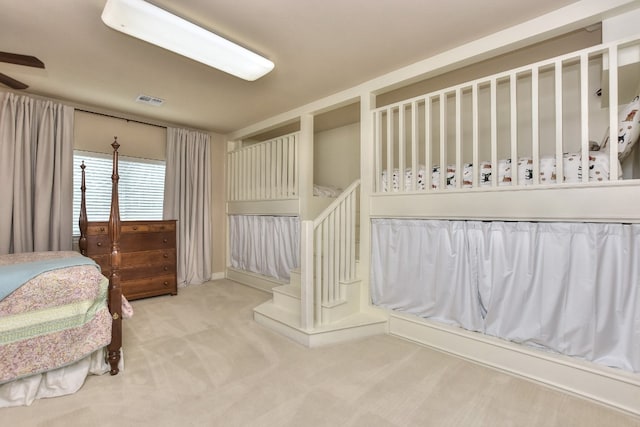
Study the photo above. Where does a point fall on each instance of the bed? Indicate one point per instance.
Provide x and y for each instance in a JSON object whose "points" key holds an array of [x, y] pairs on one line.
{"points": [[60, 318], [265, 201], [535, 252], [598, 170]]}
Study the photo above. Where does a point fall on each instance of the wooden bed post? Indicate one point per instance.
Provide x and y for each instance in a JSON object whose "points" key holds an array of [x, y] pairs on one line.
{"points": [[115, 291], [82, 221]]}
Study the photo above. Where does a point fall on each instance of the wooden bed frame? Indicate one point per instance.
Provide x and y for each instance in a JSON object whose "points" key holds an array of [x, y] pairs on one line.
{"points": [[115, 290]]}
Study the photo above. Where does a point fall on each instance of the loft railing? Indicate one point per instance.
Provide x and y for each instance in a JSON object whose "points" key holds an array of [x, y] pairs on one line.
{"points": [[264, 171], [520, 112]]}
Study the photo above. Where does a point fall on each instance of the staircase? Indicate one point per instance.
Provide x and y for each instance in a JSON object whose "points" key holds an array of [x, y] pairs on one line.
{"points": [[321, 304]]}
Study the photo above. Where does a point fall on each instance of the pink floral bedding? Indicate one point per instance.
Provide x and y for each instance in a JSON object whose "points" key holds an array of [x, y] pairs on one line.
{"points": [[54, 319]]}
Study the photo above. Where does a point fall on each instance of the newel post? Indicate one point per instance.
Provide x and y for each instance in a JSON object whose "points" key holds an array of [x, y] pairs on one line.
{"points": [[306, 275]]}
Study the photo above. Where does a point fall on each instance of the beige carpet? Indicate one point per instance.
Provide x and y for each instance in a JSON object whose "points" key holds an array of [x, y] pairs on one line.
{"points": [[198, 359]]}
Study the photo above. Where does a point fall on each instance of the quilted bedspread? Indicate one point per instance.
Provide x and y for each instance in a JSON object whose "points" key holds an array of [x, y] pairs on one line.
{"points": [[54, 319]]}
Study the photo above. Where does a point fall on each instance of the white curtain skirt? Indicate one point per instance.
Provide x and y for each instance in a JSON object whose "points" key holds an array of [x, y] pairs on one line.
{"points": [[264, 244], [571, 288]]}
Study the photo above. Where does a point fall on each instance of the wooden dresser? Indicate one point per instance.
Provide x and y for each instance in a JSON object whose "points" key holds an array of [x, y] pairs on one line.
{"points": [[148, 250]]}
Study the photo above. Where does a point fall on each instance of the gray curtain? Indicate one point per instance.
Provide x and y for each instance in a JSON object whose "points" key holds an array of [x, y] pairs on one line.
{"points": [[187, 194], [36, 174]]}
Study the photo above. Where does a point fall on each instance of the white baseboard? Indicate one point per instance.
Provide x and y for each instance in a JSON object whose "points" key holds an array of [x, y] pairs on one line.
{"points": [[258, 281], [612, 387], [218, 276]]}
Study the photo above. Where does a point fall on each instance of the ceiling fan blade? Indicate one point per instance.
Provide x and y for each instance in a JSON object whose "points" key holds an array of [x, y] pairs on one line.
{"points": [[12, 83], [14, 58]]}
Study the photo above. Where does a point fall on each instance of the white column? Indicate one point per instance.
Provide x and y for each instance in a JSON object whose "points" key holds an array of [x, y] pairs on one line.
{"points": [[305, 165], [307, 277]]}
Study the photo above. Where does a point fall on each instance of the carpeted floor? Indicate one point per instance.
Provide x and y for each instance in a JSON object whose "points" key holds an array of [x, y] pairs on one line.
{"points": [[198, 359]]}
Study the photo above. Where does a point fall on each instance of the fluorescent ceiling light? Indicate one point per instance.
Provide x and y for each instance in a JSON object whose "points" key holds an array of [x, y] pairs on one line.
{"points": [[147, 22]]}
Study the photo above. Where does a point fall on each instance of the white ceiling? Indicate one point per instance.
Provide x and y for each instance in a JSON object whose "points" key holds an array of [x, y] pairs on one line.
{"points": [[319, 47]]}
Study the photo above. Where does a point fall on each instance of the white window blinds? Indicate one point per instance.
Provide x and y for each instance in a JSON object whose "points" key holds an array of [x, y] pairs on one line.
{"points": [[141, 187]]}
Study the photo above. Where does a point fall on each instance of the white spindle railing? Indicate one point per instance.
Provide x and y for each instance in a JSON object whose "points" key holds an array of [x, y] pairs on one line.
{"points": [[411, 134], [264, 171], [612, 53], [328, 255]]}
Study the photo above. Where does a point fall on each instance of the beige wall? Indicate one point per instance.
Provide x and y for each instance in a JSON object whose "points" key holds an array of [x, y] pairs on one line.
{"points": [[548, 49], [95, 132], [336, 156]]}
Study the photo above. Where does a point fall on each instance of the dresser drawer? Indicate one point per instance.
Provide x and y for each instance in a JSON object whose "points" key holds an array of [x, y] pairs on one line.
{"points": [[100, 244], [102, 227], [97, 228], [148, 258], [128, 227], [137, 272], [162, 256], [141, 271], [147, 241], [150, 272], [161, 285]]}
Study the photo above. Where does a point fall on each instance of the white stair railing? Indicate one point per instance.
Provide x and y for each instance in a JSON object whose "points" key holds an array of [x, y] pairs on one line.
{"points": [[328, 256]]}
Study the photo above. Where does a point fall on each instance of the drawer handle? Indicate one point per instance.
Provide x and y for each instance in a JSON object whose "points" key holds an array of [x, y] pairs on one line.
{"points": [[135, 227], [165, 240], [165, 255], [99, 243], [165, 268], [166, 283], [101, 228]]}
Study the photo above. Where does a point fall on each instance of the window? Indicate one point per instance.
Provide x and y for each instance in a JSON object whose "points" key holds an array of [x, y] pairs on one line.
{"points": [[140, 189]]}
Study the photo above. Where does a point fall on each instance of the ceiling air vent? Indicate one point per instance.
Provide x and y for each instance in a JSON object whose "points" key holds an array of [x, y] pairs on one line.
{"points": [[151, 100]]}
